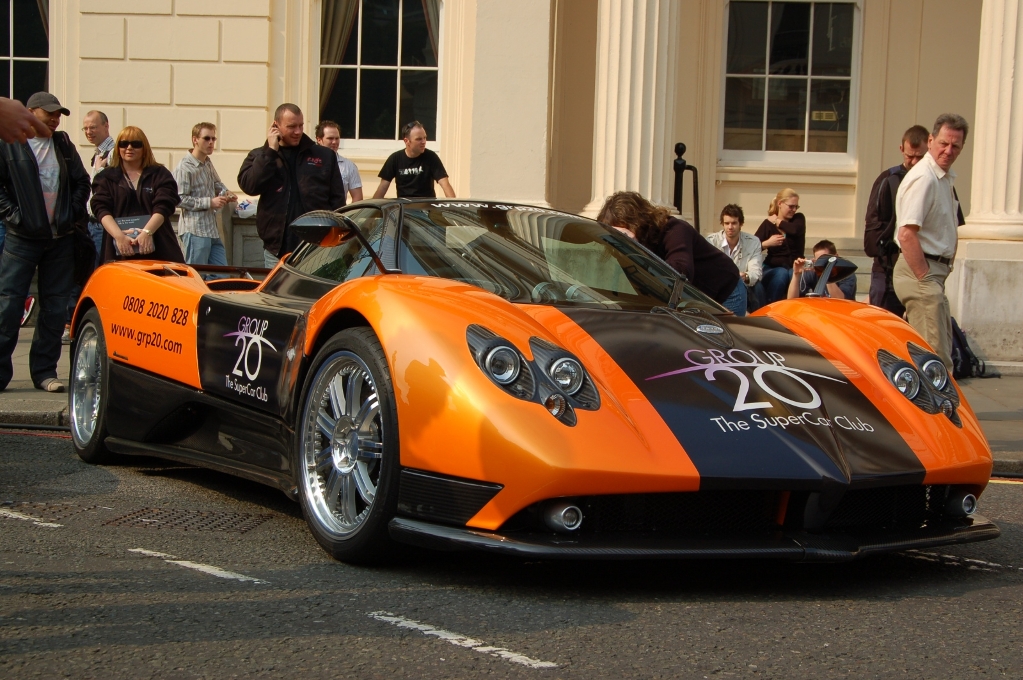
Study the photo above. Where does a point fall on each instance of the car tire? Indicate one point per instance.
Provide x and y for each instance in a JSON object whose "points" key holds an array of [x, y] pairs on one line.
{"points": [[89, 391], [345, 459]]}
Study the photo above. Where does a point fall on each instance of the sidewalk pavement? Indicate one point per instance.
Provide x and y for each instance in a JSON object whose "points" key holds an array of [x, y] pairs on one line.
{"points": [[998, 403]]}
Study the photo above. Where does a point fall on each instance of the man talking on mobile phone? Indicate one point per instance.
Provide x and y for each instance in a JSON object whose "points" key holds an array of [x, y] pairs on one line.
{"points": [[292, 175]]}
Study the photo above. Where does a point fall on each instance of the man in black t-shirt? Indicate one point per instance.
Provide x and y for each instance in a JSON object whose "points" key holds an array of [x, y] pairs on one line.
{"points": [[415, 167]]}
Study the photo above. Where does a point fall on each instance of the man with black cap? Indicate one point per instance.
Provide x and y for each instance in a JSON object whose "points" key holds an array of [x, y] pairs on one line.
{"points": [[43, 190]]}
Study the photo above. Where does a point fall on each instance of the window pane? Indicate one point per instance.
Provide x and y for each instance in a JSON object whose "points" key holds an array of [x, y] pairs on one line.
{"points": [[419, 33], [747, 37], [339, 32], [378, 107], [829, 116], [790, 37], [832, 39], [744, 113], [786, 114], [419, 100], [339, 105], [30, 77], [5, 78], [30, 38], [5, 30], [380, 34]]}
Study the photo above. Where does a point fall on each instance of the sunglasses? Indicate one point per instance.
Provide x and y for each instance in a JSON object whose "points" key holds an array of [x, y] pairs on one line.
{"points": [[133, 143], [208, 139]]}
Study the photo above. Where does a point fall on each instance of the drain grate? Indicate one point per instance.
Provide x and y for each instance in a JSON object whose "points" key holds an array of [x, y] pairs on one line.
{"points": [[190, 520], [48, 512]]}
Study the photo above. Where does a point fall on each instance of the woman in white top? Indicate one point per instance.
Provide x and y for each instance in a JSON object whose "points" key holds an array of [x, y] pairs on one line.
{"points": [[744, 249]]}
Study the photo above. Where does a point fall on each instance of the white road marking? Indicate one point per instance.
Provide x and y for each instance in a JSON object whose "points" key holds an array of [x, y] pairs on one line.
{"points": [[461, 640], [959, 561], [204, 568], [28, 518]]}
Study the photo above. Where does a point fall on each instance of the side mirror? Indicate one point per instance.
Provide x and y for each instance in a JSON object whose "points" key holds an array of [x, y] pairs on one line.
{"points": [[831, 269], [322, 228]]}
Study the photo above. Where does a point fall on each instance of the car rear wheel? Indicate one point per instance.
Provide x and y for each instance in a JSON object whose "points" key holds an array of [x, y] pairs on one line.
{"points": [[90, 379], [346, 459]]}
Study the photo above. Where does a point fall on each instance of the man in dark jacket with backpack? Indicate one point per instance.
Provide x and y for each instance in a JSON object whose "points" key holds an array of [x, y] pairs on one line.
{"points": [[43, 190], [292, 175]]}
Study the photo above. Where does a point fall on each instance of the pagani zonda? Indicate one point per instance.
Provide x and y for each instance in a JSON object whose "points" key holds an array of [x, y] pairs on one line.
{"points": [[508, 378]]}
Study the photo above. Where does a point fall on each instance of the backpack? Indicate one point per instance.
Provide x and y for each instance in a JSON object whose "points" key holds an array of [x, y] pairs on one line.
{"points": [[965, 364]]}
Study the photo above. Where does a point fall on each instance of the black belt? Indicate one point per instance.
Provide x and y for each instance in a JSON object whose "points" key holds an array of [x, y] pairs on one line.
{"points": [[939, 259]]}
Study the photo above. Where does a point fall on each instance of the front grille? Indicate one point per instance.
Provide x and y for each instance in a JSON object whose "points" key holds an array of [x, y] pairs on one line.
{"points": [[893, 507], [442, 499], [694, 514]]}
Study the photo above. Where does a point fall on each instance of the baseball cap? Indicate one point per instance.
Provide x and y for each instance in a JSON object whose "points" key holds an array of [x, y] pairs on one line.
{"points": [[47, 102]]}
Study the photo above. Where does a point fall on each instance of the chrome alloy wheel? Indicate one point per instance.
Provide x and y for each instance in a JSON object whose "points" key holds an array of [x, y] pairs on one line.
{"points": [[86, 386], [341, 444]]}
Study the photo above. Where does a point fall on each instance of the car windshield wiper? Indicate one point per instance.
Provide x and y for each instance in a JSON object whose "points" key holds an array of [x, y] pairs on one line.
{"points": [[676, 292]]}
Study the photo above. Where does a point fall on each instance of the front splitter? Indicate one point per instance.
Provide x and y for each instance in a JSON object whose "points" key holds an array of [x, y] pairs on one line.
{"points": [[790, 546]]}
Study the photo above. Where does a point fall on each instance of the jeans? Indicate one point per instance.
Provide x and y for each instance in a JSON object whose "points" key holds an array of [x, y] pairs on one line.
{"points": [[96, 232], [3, 235], [736, 301], [55, 260], [269, 259], [204, 250], [776, 282]]}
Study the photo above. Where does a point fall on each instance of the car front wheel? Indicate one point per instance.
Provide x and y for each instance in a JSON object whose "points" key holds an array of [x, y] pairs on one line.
{"points": [[346, 459], [90, 380]]}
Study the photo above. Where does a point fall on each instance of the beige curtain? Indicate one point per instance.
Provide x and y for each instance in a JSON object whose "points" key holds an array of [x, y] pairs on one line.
{"points": [[431, 9], [44, 14], [336, 31]]}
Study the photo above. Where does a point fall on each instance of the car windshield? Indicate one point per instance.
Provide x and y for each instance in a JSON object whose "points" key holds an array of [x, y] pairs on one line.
{"points": [[534, 255]]}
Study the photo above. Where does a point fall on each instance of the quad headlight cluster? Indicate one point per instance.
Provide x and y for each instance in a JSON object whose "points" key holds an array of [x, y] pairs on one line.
{"points": [[924, 381], [554, 378]]}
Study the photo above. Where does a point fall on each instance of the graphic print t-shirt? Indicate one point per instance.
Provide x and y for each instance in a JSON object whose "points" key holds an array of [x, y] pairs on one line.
{"points": [[414, 176], [49, 171]]}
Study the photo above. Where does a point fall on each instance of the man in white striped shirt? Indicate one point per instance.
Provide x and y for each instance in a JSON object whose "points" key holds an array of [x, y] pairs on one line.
{"points": [[202, 195], [328, 134]]}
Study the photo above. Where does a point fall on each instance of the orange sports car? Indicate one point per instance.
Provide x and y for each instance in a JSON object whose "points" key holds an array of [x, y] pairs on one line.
{"points": [[478, 375]]}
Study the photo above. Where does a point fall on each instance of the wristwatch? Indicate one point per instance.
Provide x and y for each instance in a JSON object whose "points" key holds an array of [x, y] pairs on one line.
{"points": [[147, 232]]}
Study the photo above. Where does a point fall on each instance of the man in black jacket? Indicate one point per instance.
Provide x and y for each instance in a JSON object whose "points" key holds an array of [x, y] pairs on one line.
{"points": [[43, 190], [292, 175]]}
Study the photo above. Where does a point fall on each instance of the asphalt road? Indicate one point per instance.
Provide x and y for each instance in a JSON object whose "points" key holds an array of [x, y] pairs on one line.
{"points": [[81, 597]]}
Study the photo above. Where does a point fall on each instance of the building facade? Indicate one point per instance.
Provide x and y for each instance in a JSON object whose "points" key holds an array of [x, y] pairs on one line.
{"points": [[561, 102]]}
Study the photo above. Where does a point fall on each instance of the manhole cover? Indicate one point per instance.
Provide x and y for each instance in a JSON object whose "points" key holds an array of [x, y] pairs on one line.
{"points": [[190, 520], [48, 512]]}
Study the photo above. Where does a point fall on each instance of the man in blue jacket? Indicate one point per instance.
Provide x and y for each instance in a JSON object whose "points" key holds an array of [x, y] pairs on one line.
{"points": [[43, 190]]}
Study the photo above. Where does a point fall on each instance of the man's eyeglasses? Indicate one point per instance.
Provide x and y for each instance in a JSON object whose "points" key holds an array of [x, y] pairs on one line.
{"points": [[133, 143], [208, 139]]}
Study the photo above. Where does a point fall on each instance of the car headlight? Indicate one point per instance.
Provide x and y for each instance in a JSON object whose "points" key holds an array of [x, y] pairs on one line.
{"points": [[503, 364], [568, 374], [935, 373], [907, 381]]}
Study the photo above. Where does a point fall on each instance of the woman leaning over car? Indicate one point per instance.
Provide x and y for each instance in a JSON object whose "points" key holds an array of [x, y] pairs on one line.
{"points": [[679, 244], [783, 234], [135, 184]]}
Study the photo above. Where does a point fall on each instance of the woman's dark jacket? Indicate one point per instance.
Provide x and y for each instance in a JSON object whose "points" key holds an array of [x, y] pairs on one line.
{"points": [[286, 190], [794, 245], [22, 208], [690, 254], [156, 193]]}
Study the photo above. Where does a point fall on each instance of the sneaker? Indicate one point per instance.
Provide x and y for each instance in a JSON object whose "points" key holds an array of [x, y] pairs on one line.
{"points": [[30, 302], [66, 338]]}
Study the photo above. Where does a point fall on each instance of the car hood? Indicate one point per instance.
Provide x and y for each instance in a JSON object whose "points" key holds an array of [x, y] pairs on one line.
{"points": [[753, 404]]}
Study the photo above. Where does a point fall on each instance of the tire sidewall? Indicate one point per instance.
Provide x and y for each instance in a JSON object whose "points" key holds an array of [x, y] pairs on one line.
{"points": [[370, 541], [93, 450]]}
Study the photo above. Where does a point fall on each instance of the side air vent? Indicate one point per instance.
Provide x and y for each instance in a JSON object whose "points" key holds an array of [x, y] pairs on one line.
{"points": [[439, 498]]}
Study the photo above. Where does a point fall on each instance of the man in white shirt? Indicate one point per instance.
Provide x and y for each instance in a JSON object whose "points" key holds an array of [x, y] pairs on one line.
{"points": [[328, 134], [927, 219], [744, 249]]}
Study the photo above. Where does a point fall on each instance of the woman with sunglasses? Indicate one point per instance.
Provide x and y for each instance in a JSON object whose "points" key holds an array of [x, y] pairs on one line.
{"points": [[135, 184], [783, 234]]}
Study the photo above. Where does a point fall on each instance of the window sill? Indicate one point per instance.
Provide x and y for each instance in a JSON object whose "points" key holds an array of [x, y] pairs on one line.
{"points": [[842, 175]]}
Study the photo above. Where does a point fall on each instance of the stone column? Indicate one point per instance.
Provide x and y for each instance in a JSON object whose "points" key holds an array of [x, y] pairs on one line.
{"points": [[984, 287], [634, 116], [996, 209]]}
